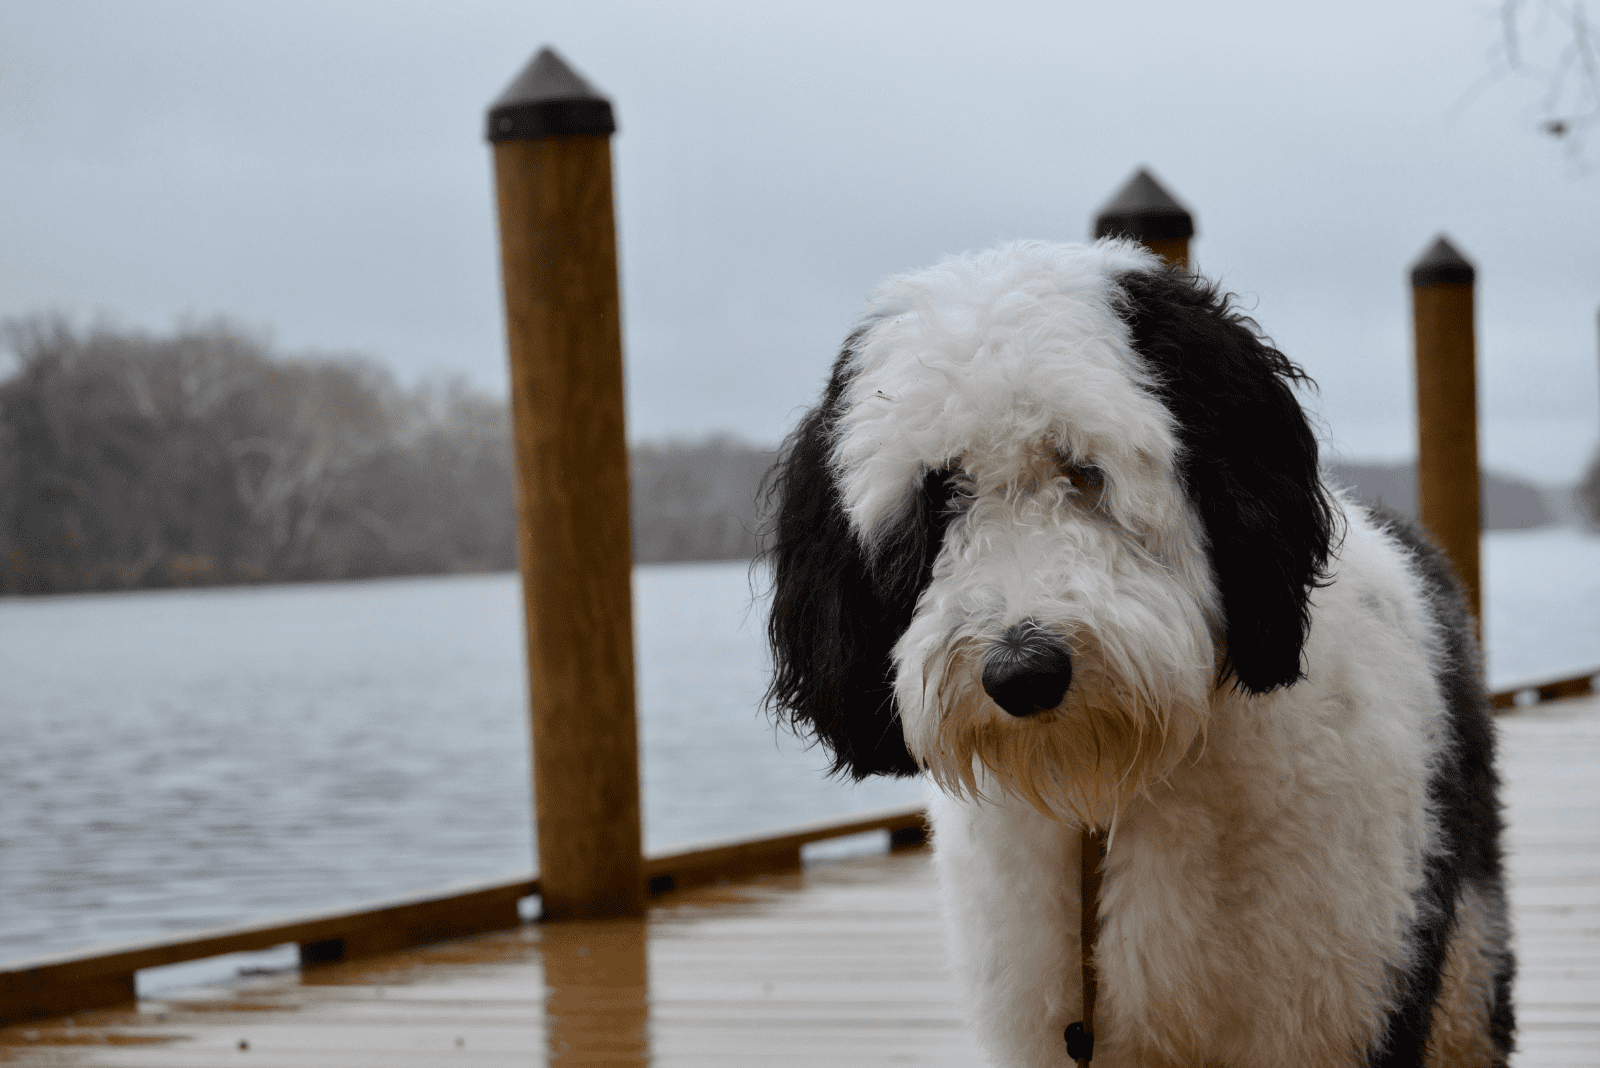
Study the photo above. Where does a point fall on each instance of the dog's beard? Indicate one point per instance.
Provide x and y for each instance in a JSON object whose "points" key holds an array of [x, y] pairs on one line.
{"points": [[1083, 762]]}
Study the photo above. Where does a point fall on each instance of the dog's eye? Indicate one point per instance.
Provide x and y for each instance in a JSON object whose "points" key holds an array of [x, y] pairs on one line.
{"points": [[1086, 480], [1085, 477]]}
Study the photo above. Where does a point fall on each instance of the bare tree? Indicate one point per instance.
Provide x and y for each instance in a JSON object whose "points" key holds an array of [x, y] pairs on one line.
{"points": [[1555, 45]]}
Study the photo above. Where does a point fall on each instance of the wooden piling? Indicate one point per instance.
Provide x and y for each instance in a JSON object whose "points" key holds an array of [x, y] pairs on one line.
{"points": [[1447, 409], [1145, 211], [552, 160]]}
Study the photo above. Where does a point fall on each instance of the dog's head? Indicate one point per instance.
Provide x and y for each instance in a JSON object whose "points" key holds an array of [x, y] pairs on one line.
{"points": [[1054, 498]]}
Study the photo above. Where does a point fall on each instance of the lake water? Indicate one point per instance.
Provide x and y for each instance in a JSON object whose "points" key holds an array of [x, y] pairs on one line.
{"points": [[181, 759]]}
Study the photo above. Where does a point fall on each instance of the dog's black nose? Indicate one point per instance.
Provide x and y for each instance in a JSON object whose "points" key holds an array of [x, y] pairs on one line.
{"points": [[1028, 670]]}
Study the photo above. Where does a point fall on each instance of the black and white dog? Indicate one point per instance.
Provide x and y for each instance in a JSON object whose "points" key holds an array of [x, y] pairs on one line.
{"points": [[1056, 537]]}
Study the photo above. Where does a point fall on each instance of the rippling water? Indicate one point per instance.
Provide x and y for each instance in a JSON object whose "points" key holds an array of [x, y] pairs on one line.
{"points": [[181, 759]]}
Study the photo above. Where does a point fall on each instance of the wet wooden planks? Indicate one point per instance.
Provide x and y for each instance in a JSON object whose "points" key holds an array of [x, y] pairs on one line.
{"points": [[840, 965], [1550, 764]]}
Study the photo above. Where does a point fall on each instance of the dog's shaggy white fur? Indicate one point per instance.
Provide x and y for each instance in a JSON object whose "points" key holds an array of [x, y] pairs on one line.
{"points": [[1056, 536]]}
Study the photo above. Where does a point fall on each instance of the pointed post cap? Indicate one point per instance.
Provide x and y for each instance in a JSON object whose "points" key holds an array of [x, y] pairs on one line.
{"points": [[1442, 265], [1144, 211], [549, 99]]}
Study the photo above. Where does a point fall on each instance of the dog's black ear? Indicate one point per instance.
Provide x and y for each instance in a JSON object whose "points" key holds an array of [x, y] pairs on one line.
{"points": [[1248, 463], [836, 614]]}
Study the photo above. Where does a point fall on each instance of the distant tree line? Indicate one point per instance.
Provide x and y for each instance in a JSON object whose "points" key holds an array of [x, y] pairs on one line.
{"points": [[1589, 493], [128, 460], [204, 457], [1507, 503], [696, 500]]}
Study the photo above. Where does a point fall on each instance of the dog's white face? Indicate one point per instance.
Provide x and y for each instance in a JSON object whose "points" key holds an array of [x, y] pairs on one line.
{"points": [[1053, 497], [1063, 649]]}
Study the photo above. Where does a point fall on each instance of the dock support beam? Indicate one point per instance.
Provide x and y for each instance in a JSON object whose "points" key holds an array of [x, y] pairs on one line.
{"points": [[552, 159], [1447, 409], [1146, 212]]}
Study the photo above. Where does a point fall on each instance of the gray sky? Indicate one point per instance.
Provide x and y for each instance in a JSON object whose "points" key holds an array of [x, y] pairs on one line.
{"points": [[318, 170]]}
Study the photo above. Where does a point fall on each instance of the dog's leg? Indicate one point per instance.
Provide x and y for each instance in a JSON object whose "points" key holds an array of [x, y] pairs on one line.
{"points": [[1463, 1024], [1009, 878]]}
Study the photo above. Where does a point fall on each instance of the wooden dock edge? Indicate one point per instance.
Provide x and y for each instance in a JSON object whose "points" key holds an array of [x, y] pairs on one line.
{"points": [[1537, 693], [59, 984]]}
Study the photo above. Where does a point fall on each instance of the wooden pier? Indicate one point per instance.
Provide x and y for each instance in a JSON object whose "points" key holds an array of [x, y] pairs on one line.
{"points": [[840, 964]]}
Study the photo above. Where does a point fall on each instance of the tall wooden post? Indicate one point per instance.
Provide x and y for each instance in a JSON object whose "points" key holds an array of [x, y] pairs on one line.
{"points": [[1143, 210], [1447, 409], [552, 161]]}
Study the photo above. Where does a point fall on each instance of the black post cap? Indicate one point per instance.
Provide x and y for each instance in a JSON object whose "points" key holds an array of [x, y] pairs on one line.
{"points": [[549, 99], [1442, 265], [1144, 211]]}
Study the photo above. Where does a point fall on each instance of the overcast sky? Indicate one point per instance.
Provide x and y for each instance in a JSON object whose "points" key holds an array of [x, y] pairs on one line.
{"points": [[317, 170]]}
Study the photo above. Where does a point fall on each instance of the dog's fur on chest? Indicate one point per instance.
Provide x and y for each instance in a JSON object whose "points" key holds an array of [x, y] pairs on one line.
{"points": [[1056, 537]]}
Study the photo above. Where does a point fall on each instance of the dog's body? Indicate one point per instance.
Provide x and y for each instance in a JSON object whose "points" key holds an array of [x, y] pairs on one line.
{"points": [[1056, 536]]}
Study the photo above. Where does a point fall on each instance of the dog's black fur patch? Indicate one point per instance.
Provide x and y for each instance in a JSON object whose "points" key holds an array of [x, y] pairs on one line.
{"points": [[1464, 792], [1248, 464], [836, 614]]}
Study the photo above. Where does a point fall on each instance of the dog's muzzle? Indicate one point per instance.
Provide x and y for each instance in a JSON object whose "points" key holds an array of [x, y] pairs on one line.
{"points": [[1027, 670]]}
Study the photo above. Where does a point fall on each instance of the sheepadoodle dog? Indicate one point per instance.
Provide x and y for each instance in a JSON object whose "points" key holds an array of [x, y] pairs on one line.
{"points": [[1056, 537]]}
